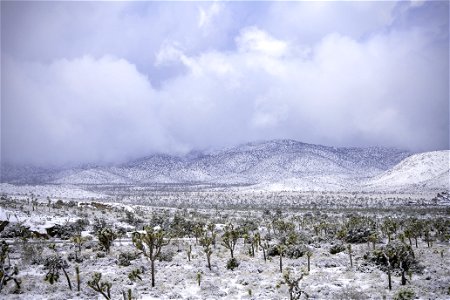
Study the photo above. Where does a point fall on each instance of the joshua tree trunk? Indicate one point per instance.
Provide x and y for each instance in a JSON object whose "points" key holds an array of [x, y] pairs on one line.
{"points": [[403, 274], [68, 279], [309, 263], [153, 272], [208, 258], [281, 262], [77, 270], [389, 278]]}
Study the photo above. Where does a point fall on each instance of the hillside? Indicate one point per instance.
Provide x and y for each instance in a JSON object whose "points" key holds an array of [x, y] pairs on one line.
{"points": [[274, 162], [428, 170]]}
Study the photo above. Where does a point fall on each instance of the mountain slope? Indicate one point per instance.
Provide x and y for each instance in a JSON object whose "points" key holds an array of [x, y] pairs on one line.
{"points": [[427, 170], [252, 163]]}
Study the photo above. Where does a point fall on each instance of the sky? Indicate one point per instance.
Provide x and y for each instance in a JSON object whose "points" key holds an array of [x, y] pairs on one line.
{"points": [[107, 82]]}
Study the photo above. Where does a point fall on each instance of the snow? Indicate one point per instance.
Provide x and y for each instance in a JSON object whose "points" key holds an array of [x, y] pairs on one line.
{"points": [[54, 191], [429, 169]]}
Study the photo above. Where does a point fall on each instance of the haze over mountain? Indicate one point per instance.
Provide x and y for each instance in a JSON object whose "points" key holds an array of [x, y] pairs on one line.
{"points": [[270, 165], [249, 163]]}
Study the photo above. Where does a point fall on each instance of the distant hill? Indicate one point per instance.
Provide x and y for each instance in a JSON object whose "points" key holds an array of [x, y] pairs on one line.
{"points": [[429, 170], [283, 163]]}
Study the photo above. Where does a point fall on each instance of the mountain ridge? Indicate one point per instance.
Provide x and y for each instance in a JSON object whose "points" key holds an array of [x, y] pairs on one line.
{"points": [[249, 163]]}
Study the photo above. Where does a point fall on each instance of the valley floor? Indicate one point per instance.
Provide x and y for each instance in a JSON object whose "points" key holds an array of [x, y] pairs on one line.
{"points": [[317, 226]]}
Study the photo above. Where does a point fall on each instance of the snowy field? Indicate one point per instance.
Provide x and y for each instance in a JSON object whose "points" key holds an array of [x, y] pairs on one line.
{"points": [[51, 231]]}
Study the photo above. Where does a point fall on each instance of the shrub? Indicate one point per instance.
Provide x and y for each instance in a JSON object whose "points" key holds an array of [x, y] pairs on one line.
{"points": [[166, 255], [404, 294], [337, 249], [232, 264], [125, 258]]}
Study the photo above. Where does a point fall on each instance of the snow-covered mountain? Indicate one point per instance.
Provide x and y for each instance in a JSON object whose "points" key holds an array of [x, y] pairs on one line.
{"points": [[429, 170], [271, 162]]}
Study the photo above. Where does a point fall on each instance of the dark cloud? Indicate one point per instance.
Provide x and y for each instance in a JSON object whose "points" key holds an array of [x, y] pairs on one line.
{"points": [[105, 82]]}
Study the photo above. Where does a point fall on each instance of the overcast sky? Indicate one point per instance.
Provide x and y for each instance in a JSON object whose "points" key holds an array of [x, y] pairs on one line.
{"points": [[102, 82]]}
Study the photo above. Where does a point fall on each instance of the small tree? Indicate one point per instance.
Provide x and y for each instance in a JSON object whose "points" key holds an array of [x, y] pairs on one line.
{"points": [[281, 248], [293, 285], [102, 287], [264, 244], [54, 264], [106, 237], [78, 241], [206, 242], [230, 238], [150, 244], [350, 252], [395, 256]]}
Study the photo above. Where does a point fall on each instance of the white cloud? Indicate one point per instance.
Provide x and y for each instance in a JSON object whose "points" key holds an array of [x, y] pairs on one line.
{"points": [[206, 15], [253, 39], [305, 71]]}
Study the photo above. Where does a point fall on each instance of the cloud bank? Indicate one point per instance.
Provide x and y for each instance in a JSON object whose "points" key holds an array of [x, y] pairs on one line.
{"points": [[77, 90]]}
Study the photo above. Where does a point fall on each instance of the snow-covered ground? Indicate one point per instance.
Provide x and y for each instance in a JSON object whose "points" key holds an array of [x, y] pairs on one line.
{"points": [[330, 277]]}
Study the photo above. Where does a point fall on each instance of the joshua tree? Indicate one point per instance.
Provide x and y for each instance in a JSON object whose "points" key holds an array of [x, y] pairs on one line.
{"points": [[264, 244], [281, 248], [308, 255], [198, 231], [388, 255], [127, 295], [135, 274], [349, 248], [230, 237], [7, 272], [78, 241], [106, 236], [102, 287], [199, 278], [211, 228], [253, 240], [293, 285], [54, 264], [189, 252], [150, 244], [395, 255], [389, 227], [206, 242], [77, 272], [373, 238]]}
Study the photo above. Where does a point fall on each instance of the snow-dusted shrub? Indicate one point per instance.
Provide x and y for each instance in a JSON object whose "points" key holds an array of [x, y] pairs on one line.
{"points": [[65, 232], [106, 236], [98, 225], [232, 264], [7, 271], [125, 258], [166, 255], [13, 230], [135, 274], [337, 248], [291, 251], [404, 294], [295, 251], [32, 253]]}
